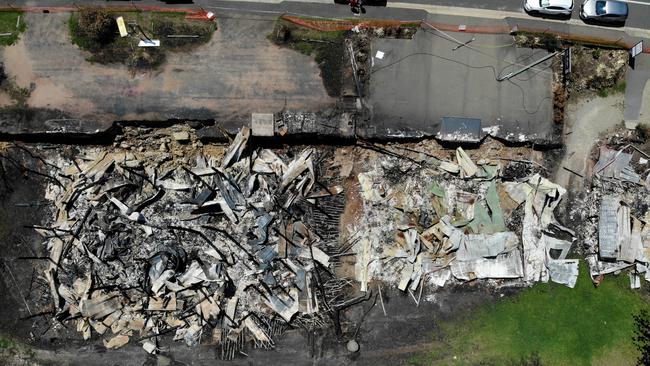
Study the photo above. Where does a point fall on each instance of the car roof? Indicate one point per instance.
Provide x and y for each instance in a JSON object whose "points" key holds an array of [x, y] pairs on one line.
{"points": [[616, 7], [610, 7], [561, 3]]}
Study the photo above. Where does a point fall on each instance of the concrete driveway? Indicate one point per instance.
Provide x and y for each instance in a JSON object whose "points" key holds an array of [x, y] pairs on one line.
{"points": [[422, 80], [237, 73]]}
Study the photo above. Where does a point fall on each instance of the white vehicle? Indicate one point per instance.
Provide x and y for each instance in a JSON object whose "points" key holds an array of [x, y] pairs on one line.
{"points": [[605, 11], [549, 7]]}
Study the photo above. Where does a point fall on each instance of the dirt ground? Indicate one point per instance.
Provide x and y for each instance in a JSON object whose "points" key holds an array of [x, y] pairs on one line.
{"points": [[586, 118], [21, 201], [644, 115], [595, 106], [238, 72]]}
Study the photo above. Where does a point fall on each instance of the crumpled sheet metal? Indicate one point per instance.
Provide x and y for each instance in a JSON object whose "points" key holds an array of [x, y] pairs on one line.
{"points": [[623, 242], [476, 246], [468, 239], [506, 265], [219, 268], [563, 271], [608, 227], [540, 197], [616, 165]]}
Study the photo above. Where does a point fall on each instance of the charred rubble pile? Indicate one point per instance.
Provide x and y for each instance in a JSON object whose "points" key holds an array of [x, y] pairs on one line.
{"points": [[214, 249], [616, 211], [436, 222]]}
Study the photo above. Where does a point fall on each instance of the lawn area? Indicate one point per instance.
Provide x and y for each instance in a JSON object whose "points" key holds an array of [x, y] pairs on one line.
{"points": [[561, 326], [8, 23], [96, 31]]}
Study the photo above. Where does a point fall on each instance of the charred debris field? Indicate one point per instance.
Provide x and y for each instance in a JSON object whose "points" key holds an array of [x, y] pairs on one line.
{"points": [[160, 243]]}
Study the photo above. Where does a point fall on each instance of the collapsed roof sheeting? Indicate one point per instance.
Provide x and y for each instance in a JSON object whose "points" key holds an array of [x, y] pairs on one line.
{"points": [[623, 241], [477, 246], [237, 258], [616, 164], [506, 265], [540, 197], [467, 237], [563, 271], [608, 227]]}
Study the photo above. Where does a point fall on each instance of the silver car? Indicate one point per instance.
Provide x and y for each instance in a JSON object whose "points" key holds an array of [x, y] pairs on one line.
{"points": [[604, 11], [549, 7]]}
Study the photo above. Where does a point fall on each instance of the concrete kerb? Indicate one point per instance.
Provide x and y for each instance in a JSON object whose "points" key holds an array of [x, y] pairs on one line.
{"points": [[513, 25]]}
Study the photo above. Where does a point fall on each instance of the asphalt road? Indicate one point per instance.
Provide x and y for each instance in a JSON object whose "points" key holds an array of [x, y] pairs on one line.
{"points": [[639, 9]]}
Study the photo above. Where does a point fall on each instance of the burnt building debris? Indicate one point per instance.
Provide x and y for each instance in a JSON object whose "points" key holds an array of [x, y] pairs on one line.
{"points": [[438, 221], [212, 248], [623, 240], [615, 165], [619, 238], [233, 245]]}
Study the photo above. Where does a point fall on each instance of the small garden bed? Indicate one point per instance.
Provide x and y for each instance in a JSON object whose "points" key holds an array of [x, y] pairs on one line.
{"points": [[12, 24], [96, 31]]}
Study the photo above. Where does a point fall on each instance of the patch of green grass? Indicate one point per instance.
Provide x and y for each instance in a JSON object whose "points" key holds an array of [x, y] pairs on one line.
{"points": [[603, 93], [618, 88], [8, 22], [75, 33], [562, 326]]}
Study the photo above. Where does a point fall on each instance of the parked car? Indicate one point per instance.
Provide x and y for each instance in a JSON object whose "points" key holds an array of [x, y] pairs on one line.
{"points": [[606, 11], [549, 7]]}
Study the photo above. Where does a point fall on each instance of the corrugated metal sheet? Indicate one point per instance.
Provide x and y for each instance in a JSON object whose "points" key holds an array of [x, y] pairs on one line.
{"points": [[608, 227]]}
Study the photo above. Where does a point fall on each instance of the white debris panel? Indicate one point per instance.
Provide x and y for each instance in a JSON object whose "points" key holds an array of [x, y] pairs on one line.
{"points": [[619, 200], [447, 219], [623, 240], [143, 245]]}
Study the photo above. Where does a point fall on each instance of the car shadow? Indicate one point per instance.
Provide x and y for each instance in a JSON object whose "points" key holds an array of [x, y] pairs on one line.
{"points": [[172, 2], [365, 2], [549, 16], [604, 24]]}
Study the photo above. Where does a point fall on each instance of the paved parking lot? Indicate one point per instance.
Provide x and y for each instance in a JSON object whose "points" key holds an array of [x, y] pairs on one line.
{"points": [[238, 72], [420, 81]]}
